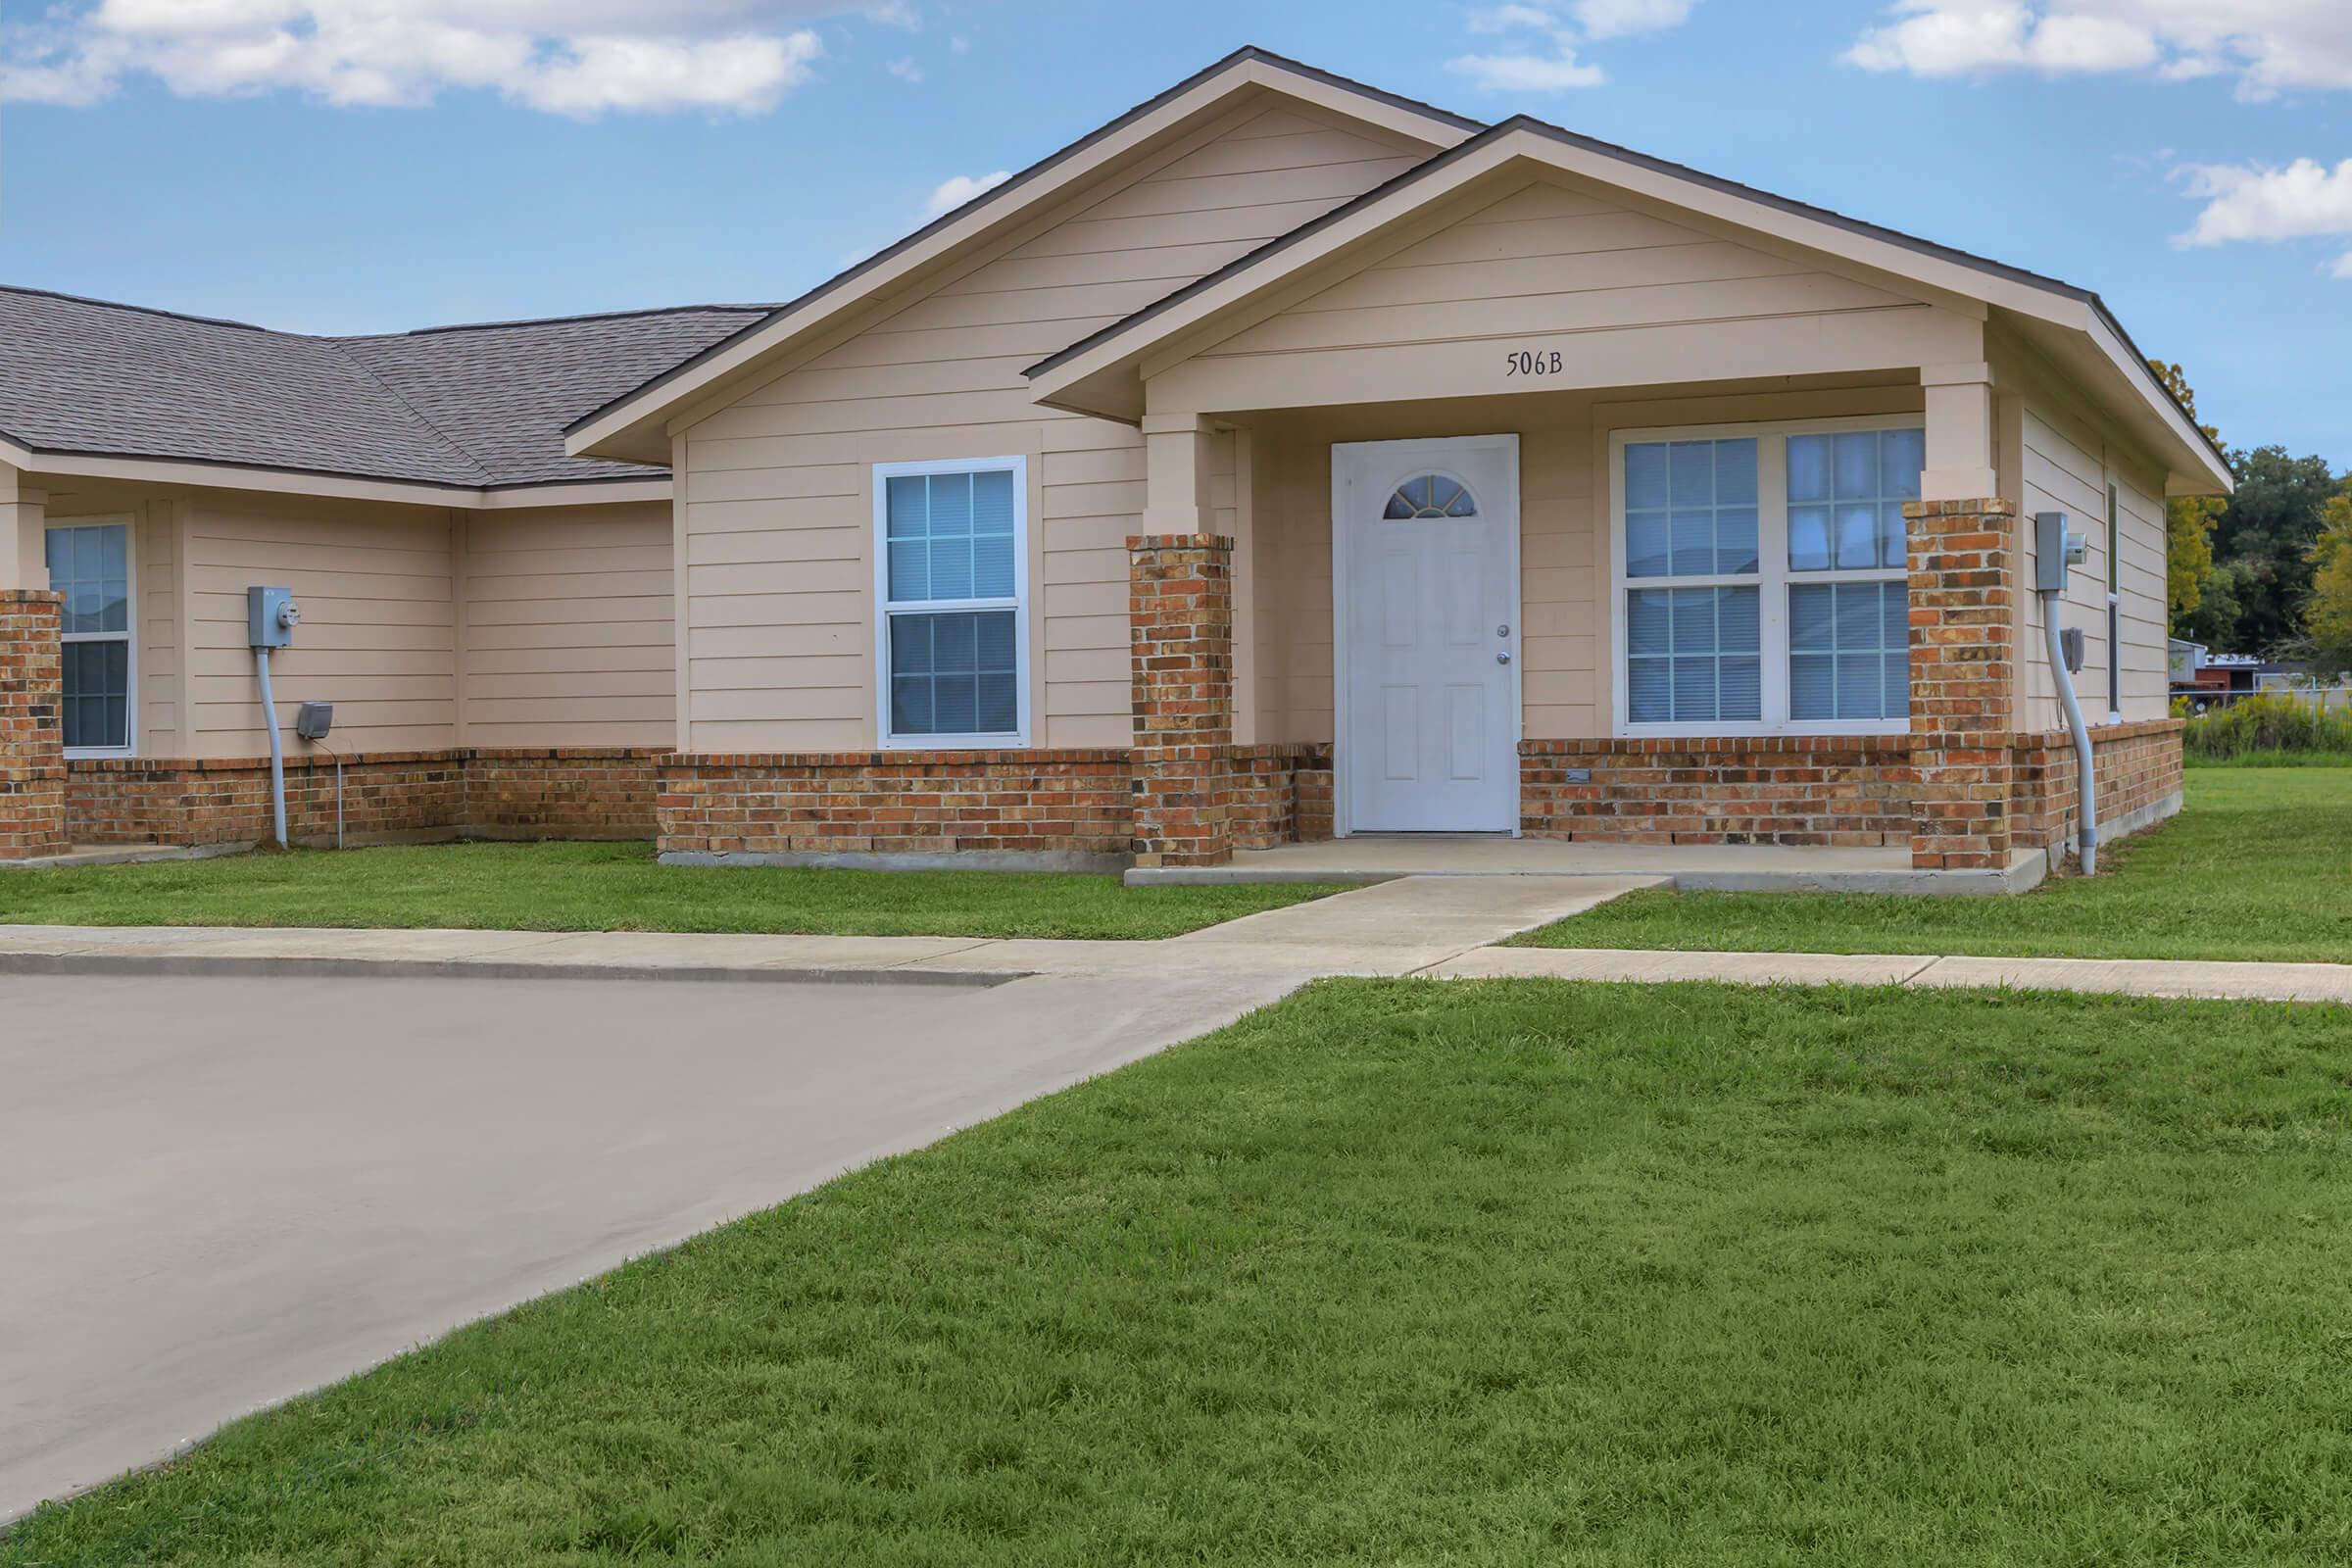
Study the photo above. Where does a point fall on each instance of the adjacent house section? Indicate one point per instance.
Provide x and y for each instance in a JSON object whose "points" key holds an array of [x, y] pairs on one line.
{"points": [[477, 604], [1285, 459]]}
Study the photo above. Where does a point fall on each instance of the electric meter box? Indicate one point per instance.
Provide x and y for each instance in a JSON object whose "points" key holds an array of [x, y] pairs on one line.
{"points": [[2056, 547], [270, 617]]}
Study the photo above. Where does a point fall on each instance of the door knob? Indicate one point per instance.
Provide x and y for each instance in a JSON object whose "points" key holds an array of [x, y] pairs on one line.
{"points": [[1502, 659]]}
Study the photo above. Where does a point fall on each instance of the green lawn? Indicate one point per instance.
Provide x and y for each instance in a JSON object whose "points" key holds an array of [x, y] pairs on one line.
{"points": [[2259, 866], [612, 887], [1402, 1272]]}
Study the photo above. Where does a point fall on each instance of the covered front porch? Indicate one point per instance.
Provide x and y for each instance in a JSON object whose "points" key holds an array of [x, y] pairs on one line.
{"points": [[1438, 597]]}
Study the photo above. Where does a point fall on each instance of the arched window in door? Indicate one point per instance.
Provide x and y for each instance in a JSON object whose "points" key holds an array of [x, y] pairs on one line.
{"points": [[1431, 495]]}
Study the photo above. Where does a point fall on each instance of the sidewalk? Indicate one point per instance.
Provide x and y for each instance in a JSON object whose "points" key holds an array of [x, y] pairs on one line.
{"points": [[2130, 977], [1390, 928], [1436, 926]]}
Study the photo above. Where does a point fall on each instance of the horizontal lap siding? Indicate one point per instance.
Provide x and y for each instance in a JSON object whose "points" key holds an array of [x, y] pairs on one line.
{"points": [[570, 630], [776, 498], [2147, 663], [379, 633], [1548, 261], [161, 658], [2067, 465]]}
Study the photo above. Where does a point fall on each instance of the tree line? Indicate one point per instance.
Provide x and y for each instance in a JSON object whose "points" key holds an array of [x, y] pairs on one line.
{"points": [[2267, 569]]}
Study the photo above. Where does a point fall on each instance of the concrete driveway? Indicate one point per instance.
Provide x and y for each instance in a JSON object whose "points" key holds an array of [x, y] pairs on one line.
{"points": [[217, 1192]]}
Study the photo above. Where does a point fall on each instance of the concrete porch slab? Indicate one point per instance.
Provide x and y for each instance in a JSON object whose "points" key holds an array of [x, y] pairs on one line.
{"points": [[1686, 867]]}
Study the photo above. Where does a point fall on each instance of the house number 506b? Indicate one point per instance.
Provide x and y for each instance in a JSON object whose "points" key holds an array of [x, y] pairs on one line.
{"points": [[1532, 362]]}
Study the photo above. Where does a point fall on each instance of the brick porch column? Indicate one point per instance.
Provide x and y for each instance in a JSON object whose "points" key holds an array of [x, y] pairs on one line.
{"points": [[33, 733], [1180, 622], [1963, 680]]}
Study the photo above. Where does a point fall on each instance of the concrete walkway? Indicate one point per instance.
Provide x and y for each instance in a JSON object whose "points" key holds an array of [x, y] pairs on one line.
{"points": [[1438, 926], [2135, 977], [1390, 928]]}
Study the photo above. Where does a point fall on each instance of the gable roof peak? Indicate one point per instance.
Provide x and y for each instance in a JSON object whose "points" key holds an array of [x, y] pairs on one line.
{"points": [[628, 423]]}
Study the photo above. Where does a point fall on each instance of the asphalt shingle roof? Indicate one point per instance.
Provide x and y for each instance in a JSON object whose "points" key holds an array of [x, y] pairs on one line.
{"points": [[468, 406]]}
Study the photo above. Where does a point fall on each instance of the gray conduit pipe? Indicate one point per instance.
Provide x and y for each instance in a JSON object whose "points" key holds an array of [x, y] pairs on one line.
{"points": [[2089, 786], [277, 750]]}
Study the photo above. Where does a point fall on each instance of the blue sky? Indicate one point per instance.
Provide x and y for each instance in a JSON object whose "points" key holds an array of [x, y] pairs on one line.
{"points": [[376, 165]]}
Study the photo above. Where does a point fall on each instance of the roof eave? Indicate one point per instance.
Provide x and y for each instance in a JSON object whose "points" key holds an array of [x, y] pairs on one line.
{"points": [[225, 475]]}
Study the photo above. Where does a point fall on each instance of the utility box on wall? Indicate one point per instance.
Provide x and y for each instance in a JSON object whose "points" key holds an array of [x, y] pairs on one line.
{"points": [[2056, 548], [270, 617]]}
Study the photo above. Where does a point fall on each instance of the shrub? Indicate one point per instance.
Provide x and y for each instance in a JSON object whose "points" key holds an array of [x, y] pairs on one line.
{"points": [[2267, 722]]}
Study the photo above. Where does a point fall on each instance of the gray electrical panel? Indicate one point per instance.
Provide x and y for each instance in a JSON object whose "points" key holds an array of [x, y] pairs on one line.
{"points": [[270, 617], [2056, 547], [311, 720]]}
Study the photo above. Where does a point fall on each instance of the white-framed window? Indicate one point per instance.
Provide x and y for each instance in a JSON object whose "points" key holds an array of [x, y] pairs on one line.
{"points": [[951, 590], [1759, 576], [89, 563]]}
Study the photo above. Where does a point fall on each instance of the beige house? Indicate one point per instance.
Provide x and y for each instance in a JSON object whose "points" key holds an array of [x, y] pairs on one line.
{"points": [[1286, 458]]}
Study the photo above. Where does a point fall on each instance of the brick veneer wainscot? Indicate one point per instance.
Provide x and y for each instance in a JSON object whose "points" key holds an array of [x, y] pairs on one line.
{"points": [[1071, 801], [2137, 767], [1851, 790], [33, 751], [388, 797]]}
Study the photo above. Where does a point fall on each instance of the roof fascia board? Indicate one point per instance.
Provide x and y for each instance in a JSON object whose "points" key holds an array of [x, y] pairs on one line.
{"points": [[1057, 174], [574, 493], [290, 481]]}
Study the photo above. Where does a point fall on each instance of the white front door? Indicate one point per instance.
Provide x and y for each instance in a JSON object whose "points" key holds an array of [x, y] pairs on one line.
{"points": [[1425, 559]]}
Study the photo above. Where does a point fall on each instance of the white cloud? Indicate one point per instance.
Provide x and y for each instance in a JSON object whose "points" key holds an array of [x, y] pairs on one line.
{"points": [[954, 193], [906, 70], [1614, 18], [1502, 19], [1592, 19], [1549, 62], [1555, 71], [2264, 204], [2271, 46], [581, 58]]}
